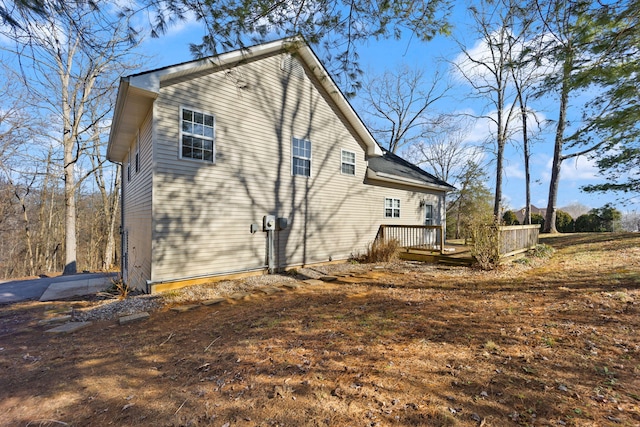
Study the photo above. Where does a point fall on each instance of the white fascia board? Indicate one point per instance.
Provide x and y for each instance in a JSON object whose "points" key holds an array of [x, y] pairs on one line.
{"points": [[381, 176], [132, 106], [314, 64], [150, 81]]}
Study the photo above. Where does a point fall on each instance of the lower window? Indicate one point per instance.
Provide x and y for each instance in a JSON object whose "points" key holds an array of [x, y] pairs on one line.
{"points": [[391, 208]]}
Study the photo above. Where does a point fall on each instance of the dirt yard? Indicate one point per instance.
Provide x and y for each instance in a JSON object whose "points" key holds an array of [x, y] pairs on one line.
{"points": [[552, 342]]}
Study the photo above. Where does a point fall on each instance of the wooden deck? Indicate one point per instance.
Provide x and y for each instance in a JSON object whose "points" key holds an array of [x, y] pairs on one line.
{"points": [[452, 254], [423, 243]]}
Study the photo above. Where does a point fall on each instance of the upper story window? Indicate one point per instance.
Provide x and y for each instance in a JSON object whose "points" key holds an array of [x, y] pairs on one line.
{"points": [[197, 136], [391, 208], [301, 157], [348, 165]]}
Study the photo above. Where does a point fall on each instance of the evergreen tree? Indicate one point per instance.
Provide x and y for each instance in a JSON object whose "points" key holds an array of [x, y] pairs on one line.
{"points": [[509, 218], [564, 222]]}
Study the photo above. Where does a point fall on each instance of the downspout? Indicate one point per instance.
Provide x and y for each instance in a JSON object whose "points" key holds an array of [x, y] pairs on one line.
{"points": [[122, 221], [443, 217]]}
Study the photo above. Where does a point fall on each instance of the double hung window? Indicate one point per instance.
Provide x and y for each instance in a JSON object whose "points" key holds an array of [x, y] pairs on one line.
{"points": [[301, 157], [348, 165], [197, 136]]}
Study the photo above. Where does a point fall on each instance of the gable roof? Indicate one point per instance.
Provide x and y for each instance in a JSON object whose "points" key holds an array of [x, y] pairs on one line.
{"points": [[393, 168], [137, 92]]}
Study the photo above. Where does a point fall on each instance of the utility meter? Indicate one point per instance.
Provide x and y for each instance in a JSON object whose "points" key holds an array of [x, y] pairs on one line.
{"points": [[269, 223], [282, 223]]}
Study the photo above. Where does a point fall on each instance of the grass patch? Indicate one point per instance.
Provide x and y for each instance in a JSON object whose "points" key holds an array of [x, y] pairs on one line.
{"points": [[411, 345], [541, 250], [381, 251]]}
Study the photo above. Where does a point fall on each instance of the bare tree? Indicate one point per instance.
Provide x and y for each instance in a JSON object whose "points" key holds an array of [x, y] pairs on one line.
{"points": [[526, 74], [486, 68], [19, 181], [108, 183], [398, 106], [70, 59], [444, 150]]}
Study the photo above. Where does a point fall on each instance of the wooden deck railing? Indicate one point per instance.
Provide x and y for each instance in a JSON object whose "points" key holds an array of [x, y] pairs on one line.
{"points": [[413, 236], [513, 239], [517, 238]]}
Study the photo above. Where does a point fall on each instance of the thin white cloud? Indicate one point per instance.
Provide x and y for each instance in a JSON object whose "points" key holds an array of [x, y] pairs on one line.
{"points": [[515, 171], [481, 132], [578, 169], [186, 24]]}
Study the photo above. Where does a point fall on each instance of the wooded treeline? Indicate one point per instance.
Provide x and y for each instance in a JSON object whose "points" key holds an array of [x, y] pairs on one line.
{"points": [[61, 65], [32, 227]]}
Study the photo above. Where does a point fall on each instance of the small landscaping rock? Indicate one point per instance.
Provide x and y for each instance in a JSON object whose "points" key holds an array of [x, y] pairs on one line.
{"points": [[214, 301], [133, 317], [328, 278], [68, 328], [183, 308], [239, 295], [269, 290], [58, 319]]}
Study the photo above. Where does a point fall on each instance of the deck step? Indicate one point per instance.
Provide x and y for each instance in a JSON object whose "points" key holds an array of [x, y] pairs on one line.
{"points": [[436, 258], [455, 261]]}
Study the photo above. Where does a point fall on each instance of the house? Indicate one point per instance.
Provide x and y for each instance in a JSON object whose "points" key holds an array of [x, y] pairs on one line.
{"points": [[520, 213], [249, 161]]}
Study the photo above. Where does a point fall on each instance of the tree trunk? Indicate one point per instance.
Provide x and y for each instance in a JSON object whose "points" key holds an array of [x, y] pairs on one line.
{"points": [[110, 245], [43, 232], [70, 263], [29, 266], [51, 236], [550, 219], [501, 141], [499, 159], [527, 173]]}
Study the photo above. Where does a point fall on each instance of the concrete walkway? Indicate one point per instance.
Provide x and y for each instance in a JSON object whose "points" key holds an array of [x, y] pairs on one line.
{"points": [[55, 288]]}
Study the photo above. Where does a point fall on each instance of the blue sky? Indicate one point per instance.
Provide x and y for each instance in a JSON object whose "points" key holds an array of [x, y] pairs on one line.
{"points": [[376, 56]]}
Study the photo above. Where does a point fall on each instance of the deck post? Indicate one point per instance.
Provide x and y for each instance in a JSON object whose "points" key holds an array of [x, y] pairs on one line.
{"points": [[441, 240]]}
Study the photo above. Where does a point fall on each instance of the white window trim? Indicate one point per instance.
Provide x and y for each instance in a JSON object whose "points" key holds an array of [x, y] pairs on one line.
{"points": [[310, 158], [342, 151], [213, 139], [393, 208], [129, 166], [136, 159]]}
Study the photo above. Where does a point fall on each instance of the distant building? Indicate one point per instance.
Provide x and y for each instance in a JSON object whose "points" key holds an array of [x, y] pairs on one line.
{"points": [[534, 210]]}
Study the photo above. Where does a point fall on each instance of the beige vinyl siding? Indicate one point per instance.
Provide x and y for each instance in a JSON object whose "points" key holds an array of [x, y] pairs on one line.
{"points": [[137, 204], [203, 212]]}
